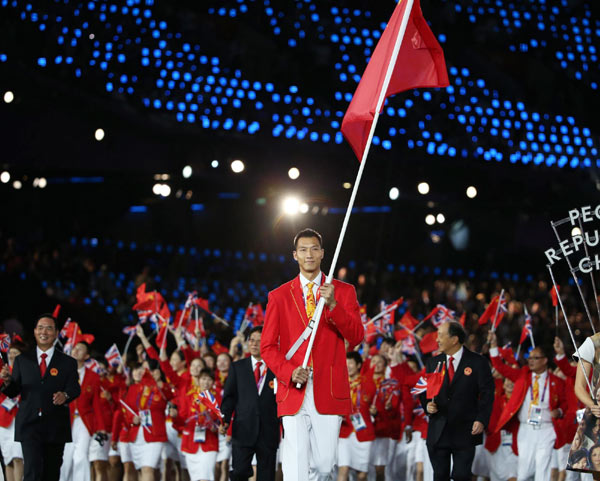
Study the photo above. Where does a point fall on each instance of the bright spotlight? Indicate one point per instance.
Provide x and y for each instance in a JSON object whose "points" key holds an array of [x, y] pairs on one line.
{"points": [[441, 218], [293, 173], [430, 219], [165, 190], [36, 182], [394, 193], [157, 189], [17, 184], [214, 164], [237, 166], [575, 231], [42, 182], [99, 134], [347, 185], [423, 188], [4, 177], [187, 172], [471, 192], [9, 97], [304, 208], [291, 205]]}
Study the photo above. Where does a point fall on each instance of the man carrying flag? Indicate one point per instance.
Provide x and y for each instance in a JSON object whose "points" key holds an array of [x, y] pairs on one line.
{"points": [[461, 409], [310, 401]]}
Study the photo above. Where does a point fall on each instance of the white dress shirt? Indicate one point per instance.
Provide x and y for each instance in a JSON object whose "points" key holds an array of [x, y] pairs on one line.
{"points": [[457, 356], [49, 353], [543, 401], [263, 372], [304, 282]]}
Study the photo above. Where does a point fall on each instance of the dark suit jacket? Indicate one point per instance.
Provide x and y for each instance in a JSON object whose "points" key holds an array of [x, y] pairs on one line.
{"points": [[54, 424], [468, 398], [254, 414]]}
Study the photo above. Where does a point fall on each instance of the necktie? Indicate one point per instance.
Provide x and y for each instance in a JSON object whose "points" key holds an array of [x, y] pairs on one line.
{"points": [[257, 373], [536, 390], [310, 300], [43, 365], [450, 368]]}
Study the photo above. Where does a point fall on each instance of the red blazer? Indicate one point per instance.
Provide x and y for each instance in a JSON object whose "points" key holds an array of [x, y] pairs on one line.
{"points": [[522, 379], [147, 396], [285, 321], [493, 437], [191, 413], [88, 404], [367, 393]]}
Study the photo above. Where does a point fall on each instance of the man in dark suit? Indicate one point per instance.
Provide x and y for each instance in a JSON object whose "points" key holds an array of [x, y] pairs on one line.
{"points": [[47, 381], [462, 409], [250, 395]]}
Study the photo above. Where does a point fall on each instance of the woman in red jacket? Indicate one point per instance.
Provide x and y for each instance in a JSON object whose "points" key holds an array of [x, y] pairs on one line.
{"points": [[11, 450], [385, 409], [199, 418], [145, 415], [357, 431], [223, 364]]}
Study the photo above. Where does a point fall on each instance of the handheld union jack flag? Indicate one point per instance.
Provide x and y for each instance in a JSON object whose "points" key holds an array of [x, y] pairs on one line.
{"points": [[207, 398], [113, 356], [129, 330], [443, 314], [65, 332], [94, 366], [527, 329], [4, 342], [420, 387], [418, 411]]}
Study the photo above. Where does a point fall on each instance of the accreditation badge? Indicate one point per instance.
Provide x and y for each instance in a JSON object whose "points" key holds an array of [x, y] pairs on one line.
{"points": [[534, 417], [358, 423], [199, 434], [506, 437], [146, 418], [9, 403]]}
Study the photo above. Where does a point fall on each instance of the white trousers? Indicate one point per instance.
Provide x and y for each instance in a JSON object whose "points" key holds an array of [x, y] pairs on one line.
{"points": [[76, 465], [535, 452], [310, 440]]}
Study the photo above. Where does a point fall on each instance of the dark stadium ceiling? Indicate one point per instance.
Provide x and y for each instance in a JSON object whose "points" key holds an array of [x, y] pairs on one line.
{"points": [[523, 100]]}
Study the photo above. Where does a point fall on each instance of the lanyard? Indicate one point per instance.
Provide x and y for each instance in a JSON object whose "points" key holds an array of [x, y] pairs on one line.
{"points": [[543, 392], [148, 398]]}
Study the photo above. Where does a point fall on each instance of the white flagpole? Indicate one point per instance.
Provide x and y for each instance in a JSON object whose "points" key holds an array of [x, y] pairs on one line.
{"points": [[386, 82]]}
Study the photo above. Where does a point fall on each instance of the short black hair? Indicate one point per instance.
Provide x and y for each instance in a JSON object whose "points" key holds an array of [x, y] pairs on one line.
{"points": [[389, 340], [253, 330], [579, 455], [207, 372], [307, 233], [455, 329], [46, 316], [88, 348], [355, 356]]}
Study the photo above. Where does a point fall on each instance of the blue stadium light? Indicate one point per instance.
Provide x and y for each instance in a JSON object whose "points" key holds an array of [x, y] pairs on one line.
{"points": [[41, 61], [138, 209]]}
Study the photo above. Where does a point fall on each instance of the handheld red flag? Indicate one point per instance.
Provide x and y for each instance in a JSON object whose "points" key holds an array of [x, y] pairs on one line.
{"points": [[462, 319], [555, 292], [489, 312], [435, 381], [420, 63], [56, 311], [429, 343]]}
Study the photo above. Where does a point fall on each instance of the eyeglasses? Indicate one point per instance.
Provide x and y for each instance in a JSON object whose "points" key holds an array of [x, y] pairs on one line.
{"points": [[535, 358]]}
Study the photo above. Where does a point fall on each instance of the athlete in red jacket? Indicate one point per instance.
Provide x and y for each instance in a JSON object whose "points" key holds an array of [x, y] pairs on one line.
{"points": [[310, 412], [86, 419]]}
